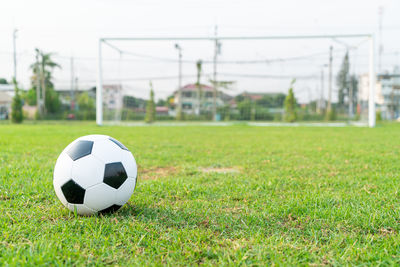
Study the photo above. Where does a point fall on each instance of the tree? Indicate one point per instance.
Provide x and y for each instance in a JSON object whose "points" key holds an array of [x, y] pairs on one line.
{"points": [[354, 91], [199, 64], [179, 114], [245, 109], [331, 114], [133, 102], [225, 112], [87, 110], [271, 101], [170, 101], [150, 107], [16, 106], [161, 103], [290, 105], [42, 75], [52, 101], [30, 97], [239, 98], [342, 80], [3, 81]]}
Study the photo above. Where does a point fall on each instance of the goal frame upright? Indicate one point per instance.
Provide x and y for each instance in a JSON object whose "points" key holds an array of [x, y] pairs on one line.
{"points": [[371, 61]]}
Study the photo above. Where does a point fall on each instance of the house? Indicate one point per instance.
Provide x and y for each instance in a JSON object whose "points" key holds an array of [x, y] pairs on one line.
{"points": [[363, 96], [196, 98], [5, 105], [112, 96], [6, 95], [389, 87], [162, 111]]}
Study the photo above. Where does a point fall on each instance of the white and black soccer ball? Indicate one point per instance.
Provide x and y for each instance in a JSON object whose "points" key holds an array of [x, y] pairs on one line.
{"points": [[95, 173]]}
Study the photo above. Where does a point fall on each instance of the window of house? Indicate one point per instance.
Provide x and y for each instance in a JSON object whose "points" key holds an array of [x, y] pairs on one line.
{"points": [[187, 106], [188, 94]]}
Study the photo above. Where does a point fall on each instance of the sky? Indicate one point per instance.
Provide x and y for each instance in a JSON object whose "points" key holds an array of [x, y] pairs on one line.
{"points": [[72, 29]]}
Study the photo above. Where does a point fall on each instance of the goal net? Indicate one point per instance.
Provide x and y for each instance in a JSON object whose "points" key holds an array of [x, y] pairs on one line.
{"points": [[237, 79]]}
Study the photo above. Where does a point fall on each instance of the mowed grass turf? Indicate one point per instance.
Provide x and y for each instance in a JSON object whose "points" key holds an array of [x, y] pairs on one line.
{"points": [[211, 195]]}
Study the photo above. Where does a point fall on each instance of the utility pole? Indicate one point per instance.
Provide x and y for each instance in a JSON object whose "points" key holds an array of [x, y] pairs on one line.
{"points": [[42, 72], [216, 52], [72, 87], [179, 109], [321, 99], [380, 13], [15, 53], [392, 108], [329, 109]]}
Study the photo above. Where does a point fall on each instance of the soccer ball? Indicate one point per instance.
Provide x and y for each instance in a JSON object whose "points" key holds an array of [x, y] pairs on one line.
{"points": [[95, 173]]}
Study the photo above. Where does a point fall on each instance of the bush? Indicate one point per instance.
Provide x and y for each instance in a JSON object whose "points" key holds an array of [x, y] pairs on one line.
{"points": [[52, 101], [331, 115], [378, 116], [224, 112], [30, 97], [278, 117], [16, 106], [311, 117], [150, 107], [165, 118], [245, 108], [194, 117], [290, 105], [87, 109], [262, 114]]}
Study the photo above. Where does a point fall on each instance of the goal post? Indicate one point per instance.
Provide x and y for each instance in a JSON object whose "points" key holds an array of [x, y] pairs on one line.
{"points": [[108, 41]]}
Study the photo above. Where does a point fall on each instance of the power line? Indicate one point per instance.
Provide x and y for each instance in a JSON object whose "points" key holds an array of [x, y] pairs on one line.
{"points": [[269, 76], [153, 78]]}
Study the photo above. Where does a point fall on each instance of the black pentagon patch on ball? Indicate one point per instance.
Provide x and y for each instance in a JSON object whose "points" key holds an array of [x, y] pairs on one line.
{"points": [[80, 149], [115, 174], [118, 143], [73, 192], [110, 209]]}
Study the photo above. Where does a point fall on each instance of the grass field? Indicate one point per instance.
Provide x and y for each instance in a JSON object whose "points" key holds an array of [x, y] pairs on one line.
{"points": [[211, 195]]}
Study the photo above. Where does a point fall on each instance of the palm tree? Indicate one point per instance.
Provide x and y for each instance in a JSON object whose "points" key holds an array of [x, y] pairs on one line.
{"points": [[42, 70]]}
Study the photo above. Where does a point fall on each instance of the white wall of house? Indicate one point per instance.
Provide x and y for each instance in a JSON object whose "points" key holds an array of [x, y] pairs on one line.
{"points": [[112, 96], [363, 90]]}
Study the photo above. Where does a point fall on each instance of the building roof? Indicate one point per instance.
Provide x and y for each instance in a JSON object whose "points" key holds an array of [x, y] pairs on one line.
{"points": [[194, 87], [162, 109]]}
